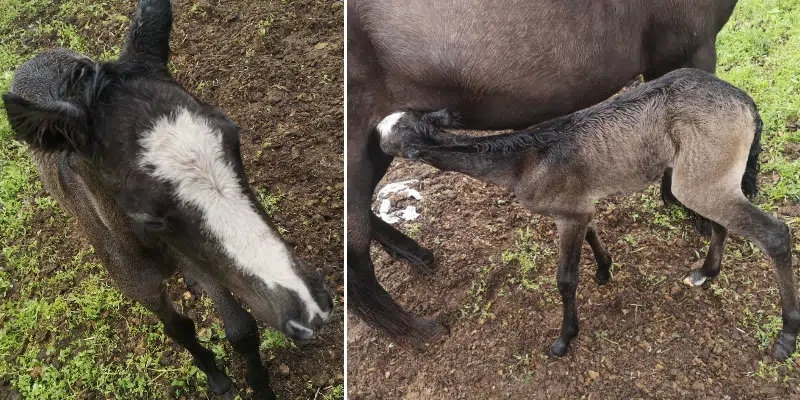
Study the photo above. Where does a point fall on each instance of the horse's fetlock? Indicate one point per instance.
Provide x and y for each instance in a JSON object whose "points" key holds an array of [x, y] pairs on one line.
{"points": [[791, 321]]}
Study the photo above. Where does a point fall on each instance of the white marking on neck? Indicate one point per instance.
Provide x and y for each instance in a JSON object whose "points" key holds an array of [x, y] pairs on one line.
{"points": [[386, 125], [185, 150]]}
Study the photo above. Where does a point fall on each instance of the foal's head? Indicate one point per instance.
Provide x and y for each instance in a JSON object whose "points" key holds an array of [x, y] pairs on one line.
{"points": [[172, 164]]}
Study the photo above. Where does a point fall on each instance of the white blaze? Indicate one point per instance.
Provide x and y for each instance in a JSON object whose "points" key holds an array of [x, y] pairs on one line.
{"points": [[185, 150], [386, 125]]}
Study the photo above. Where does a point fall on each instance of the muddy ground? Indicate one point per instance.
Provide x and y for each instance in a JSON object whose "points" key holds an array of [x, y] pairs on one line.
{"points": [[276, 68], [643, 335]]}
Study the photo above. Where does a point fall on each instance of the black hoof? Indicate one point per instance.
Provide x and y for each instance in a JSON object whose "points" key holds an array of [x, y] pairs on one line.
{"points": [[423, 262], [602, 276], [220, 383], [259, 382], [265, 395], [427, 331], [420, 259], [559, 348], [785, 346]]}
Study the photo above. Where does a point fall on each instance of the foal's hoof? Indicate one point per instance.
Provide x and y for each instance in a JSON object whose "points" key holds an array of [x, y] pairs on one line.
{"points": [[265, 395], [559, 348], [785, 347], [602, 276], [221, 384], [695, 279]]}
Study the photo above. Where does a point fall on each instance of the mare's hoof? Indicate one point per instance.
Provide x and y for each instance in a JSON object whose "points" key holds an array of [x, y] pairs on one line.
{"points": [[785, 347], [426, 332], [559, 348], [602, 276], [696, 278]]}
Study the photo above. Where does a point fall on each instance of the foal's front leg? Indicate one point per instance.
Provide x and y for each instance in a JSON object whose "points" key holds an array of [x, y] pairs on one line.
{"points": [[241, 330], [571, 233]]}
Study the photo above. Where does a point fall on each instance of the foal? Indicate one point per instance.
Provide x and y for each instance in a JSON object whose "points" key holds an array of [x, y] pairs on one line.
{"points": [[155, 179], [706, 130]]}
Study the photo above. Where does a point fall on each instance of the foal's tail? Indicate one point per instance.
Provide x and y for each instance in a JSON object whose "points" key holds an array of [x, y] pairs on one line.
{"points": [[749, 184]]}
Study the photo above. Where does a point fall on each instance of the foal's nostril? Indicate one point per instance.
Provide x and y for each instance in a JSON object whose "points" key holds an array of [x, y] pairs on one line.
{"points": [[298, 331]]}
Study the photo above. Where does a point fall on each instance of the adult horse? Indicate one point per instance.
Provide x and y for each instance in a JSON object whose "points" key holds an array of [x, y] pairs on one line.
{"points": [[500, 65]]}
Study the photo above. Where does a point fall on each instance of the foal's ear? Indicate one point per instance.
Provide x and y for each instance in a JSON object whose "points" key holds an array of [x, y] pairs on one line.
{"points": [[148, 37], [51, 126], [443, 118]]}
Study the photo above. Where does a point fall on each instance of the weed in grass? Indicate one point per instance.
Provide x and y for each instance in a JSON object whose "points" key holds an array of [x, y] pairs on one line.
{"points": [[269, 200], [413, 231], [265, 25], [479, 303]]}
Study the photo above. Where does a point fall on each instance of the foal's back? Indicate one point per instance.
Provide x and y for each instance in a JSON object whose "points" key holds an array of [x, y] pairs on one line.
{"points": [[627, 142]]}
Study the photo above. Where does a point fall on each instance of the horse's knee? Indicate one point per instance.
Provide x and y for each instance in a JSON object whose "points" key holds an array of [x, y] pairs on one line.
{"points": [[567, 285]]}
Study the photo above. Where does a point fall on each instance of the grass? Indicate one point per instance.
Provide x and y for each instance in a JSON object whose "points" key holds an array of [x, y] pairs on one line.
{"points": [[65, 331]]}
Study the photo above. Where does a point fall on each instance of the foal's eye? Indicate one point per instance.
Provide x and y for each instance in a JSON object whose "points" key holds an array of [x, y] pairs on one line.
{"points": [[149, 222], [156, 225]]}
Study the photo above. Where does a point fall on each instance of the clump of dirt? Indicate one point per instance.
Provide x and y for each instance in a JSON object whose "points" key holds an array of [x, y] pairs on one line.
{"points": [[643, 335]]}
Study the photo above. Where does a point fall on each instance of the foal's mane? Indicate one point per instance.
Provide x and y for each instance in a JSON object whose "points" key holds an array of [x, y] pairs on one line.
{"points": [[83, 83], [542, 136]]}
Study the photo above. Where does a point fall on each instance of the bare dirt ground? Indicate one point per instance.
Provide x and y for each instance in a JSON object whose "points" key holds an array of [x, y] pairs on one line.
{"points": [[643, 335]]}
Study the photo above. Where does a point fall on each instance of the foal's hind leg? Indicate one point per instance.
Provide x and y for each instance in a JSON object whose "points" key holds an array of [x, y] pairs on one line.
{"points": [[732, 210], [711, 266], [571, 234], [241, 330], [601, 255]]}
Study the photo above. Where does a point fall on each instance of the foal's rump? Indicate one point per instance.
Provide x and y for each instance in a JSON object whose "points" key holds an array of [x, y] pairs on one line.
{"points": [[716, 129]]}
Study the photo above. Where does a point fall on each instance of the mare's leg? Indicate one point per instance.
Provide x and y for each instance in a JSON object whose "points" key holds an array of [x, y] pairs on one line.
{"points": [[571, 234], [705, 57], [366, 164], [601, 255], [241, 330], [711, 266]]}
